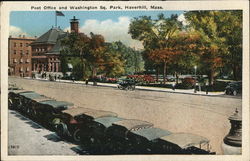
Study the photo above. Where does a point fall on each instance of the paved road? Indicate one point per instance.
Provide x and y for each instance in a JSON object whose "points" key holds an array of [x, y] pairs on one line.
{"points": [[28, 138], [202, 115]]}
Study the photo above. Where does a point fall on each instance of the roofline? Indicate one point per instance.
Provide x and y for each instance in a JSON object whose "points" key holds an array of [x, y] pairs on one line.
{"points": [[43, 43], [21, 38]]}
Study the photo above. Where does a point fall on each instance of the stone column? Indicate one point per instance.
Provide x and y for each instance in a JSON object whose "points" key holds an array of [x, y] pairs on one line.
{"points": [[53, 66], [42, 67], [34, 66], [56, 67]]}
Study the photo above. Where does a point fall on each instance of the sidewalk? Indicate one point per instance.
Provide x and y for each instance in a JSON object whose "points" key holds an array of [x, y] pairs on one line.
{"points": [[159, 89]]}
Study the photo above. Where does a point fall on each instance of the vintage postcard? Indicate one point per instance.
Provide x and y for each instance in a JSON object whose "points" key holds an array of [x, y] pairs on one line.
{"points": [[144, 80]]}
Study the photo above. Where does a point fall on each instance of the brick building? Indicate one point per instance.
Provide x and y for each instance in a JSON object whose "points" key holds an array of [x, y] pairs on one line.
{"points": [[19, 55], [46, 49]]}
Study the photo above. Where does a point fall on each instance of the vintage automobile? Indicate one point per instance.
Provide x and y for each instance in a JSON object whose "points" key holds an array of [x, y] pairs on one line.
{"points": [[126, 84], [31, 110], [47, 111], [27, 98], [143, 139], [14, 99], [93, 133], [67, 124], [116, 141], [70, 123], [11, 95], [234, 88], [181, 143]]}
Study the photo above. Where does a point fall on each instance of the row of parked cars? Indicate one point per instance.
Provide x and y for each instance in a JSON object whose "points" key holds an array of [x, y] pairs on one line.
{"points": [[103, 132]]}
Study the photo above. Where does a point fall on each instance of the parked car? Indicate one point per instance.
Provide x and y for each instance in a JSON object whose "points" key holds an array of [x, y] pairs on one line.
{"points": [[31, 109], [143, 139], [72, 123], [182, 143], [27, 99], [67, 125], [47, 111], [94, 133], [116, 136], [234, 88], [14, 99], [126, 84]]}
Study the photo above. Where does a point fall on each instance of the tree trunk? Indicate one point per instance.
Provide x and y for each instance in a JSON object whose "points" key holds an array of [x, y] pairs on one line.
{"points": [[94, 76], [211, 77], [157, 73], [164, 72], [176, 77], [83, 68], [235, 72], [83, 64]]}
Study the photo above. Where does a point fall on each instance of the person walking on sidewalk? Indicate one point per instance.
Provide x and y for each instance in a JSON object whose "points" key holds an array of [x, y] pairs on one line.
{"points": [[207, 86], [173, 86], [87, 81]]}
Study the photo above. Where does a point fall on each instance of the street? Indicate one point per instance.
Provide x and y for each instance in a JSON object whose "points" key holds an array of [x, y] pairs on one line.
{"points": [[202, 115], [28, 138]]}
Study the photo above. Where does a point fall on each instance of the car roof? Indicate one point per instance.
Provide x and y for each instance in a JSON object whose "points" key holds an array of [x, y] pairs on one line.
{"points": [[132, 124], [99, 113], [76, 111], [31, 95], [185, 140], [152, 133], [56, 104], [43, 98], [107, 121], [22, 91]]}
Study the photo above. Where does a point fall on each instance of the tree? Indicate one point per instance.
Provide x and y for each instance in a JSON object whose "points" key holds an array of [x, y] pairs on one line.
{"points": [[94, 55], [221, 39], [75, 45], [133, 62], [156, 36]]}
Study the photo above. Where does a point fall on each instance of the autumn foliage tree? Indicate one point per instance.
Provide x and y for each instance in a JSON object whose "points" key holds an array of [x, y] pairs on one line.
{"points": [[220, 40], [156, 36], [93, 53]]}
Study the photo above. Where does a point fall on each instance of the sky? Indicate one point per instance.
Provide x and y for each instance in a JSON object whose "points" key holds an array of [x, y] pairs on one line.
{"points": [[113, 25]]}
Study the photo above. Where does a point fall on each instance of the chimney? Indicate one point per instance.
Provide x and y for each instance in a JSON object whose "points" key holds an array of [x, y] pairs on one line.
{"points": [[74, 25]]}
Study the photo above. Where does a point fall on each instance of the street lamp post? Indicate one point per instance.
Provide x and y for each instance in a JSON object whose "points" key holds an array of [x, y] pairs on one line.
{"points": [[195, 68]]}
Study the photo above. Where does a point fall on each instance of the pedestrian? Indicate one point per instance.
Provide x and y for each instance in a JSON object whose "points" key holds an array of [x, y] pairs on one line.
{"points": [[207, 87], [87, 81], [173, 86]]}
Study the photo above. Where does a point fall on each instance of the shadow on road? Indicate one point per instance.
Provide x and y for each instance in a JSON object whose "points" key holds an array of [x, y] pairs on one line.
{"points": [[53, 137], [79, 150], [27, 120]]}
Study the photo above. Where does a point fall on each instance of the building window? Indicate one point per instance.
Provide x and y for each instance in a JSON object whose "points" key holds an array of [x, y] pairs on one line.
{"points": [[27, 44], [27, 61], [21, 52], [14, 51], [14, 60], [27, 69], [14, 44], [21, 44], [21, 60], [27, 52], [21, 69]]}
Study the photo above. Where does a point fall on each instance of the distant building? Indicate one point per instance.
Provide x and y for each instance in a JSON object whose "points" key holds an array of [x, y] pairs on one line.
{"points": [[46, 49], [19, 55]]}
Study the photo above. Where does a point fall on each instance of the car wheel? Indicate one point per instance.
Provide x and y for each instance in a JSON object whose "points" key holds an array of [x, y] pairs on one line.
{"points": [[77, 136], [235, 93], [61, 129]]}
